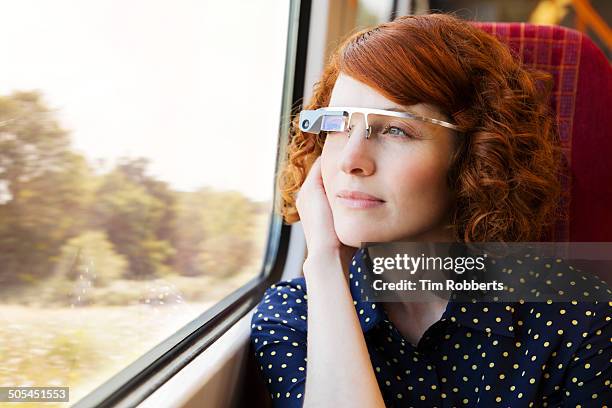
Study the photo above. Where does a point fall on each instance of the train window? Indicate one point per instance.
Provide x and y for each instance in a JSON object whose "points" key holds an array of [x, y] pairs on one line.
{"points": [[138, 144]]}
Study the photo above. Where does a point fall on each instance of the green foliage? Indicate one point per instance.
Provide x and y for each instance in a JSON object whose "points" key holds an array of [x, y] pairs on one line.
{"points": [[57, 215], [225, 254], [91, 256], [215, 232], [44, 188], [134, 219]]}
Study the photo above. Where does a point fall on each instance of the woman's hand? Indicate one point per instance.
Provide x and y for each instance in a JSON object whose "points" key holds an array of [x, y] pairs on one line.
{"points": [[317, 219], [326, 270]]}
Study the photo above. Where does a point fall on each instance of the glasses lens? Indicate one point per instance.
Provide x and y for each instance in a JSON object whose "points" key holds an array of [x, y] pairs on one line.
{"points": [[383, 125], [333, 123]]}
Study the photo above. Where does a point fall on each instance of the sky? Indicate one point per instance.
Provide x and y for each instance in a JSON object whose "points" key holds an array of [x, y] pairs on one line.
{"points": [[195, 86]]}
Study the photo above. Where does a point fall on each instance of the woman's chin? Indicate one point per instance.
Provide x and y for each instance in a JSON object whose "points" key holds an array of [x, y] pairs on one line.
{"points": [[354, 236]]}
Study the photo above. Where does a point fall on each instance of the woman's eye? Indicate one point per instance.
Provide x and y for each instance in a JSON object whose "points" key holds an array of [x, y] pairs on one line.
{"points": [[395, 131]]}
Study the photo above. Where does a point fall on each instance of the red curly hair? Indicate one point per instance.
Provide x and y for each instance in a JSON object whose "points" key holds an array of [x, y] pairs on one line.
{"points": [[505, 169]]}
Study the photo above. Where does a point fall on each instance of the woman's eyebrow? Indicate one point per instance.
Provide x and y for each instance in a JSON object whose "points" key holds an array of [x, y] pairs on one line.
{"points": [[397, 109]]}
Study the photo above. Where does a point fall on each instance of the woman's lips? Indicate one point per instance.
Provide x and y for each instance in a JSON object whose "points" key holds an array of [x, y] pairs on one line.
{"points": [[360, 203], [358, 199]]}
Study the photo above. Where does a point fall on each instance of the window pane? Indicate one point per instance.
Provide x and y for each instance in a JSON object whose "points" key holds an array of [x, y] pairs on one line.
{"points": [[137, 152], [372, 12]]}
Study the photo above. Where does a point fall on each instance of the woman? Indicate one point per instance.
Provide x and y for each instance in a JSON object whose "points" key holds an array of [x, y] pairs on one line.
{"points": [[472, 159]]}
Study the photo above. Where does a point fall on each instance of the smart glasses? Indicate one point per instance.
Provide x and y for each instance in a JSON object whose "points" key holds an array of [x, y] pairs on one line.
{"points": [[339, 119]]}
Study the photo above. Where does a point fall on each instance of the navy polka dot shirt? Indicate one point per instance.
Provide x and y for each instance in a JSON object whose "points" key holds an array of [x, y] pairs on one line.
{"points": [[523, 354]]}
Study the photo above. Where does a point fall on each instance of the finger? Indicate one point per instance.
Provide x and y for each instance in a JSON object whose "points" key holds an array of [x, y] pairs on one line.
{"points": [[313, 180], [318, 175], [314, 174]]}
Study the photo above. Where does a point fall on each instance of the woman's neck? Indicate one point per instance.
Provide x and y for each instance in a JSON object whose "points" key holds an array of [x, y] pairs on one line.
{"points": [[412, 319]]}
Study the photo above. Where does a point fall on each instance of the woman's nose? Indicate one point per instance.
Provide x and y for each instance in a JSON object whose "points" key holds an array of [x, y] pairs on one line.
{"points": [[358, 153]]}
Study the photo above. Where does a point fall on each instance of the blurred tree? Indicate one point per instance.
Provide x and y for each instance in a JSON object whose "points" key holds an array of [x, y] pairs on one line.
{"points": [[132, 208], [45, 188], [90, 256], [135, 170], [190, 234], [215, 232], [51, 202]]}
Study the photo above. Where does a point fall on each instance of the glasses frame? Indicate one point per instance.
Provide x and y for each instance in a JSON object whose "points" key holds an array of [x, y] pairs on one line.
{"points": [[312, 120]]}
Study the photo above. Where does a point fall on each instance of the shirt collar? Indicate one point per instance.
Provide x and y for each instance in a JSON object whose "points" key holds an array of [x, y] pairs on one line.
{"points": [[495, 317]]}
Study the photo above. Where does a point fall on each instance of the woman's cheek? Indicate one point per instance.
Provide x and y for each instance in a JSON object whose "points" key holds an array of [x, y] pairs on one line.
{"points": [[418, 174], [422, 187]]}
